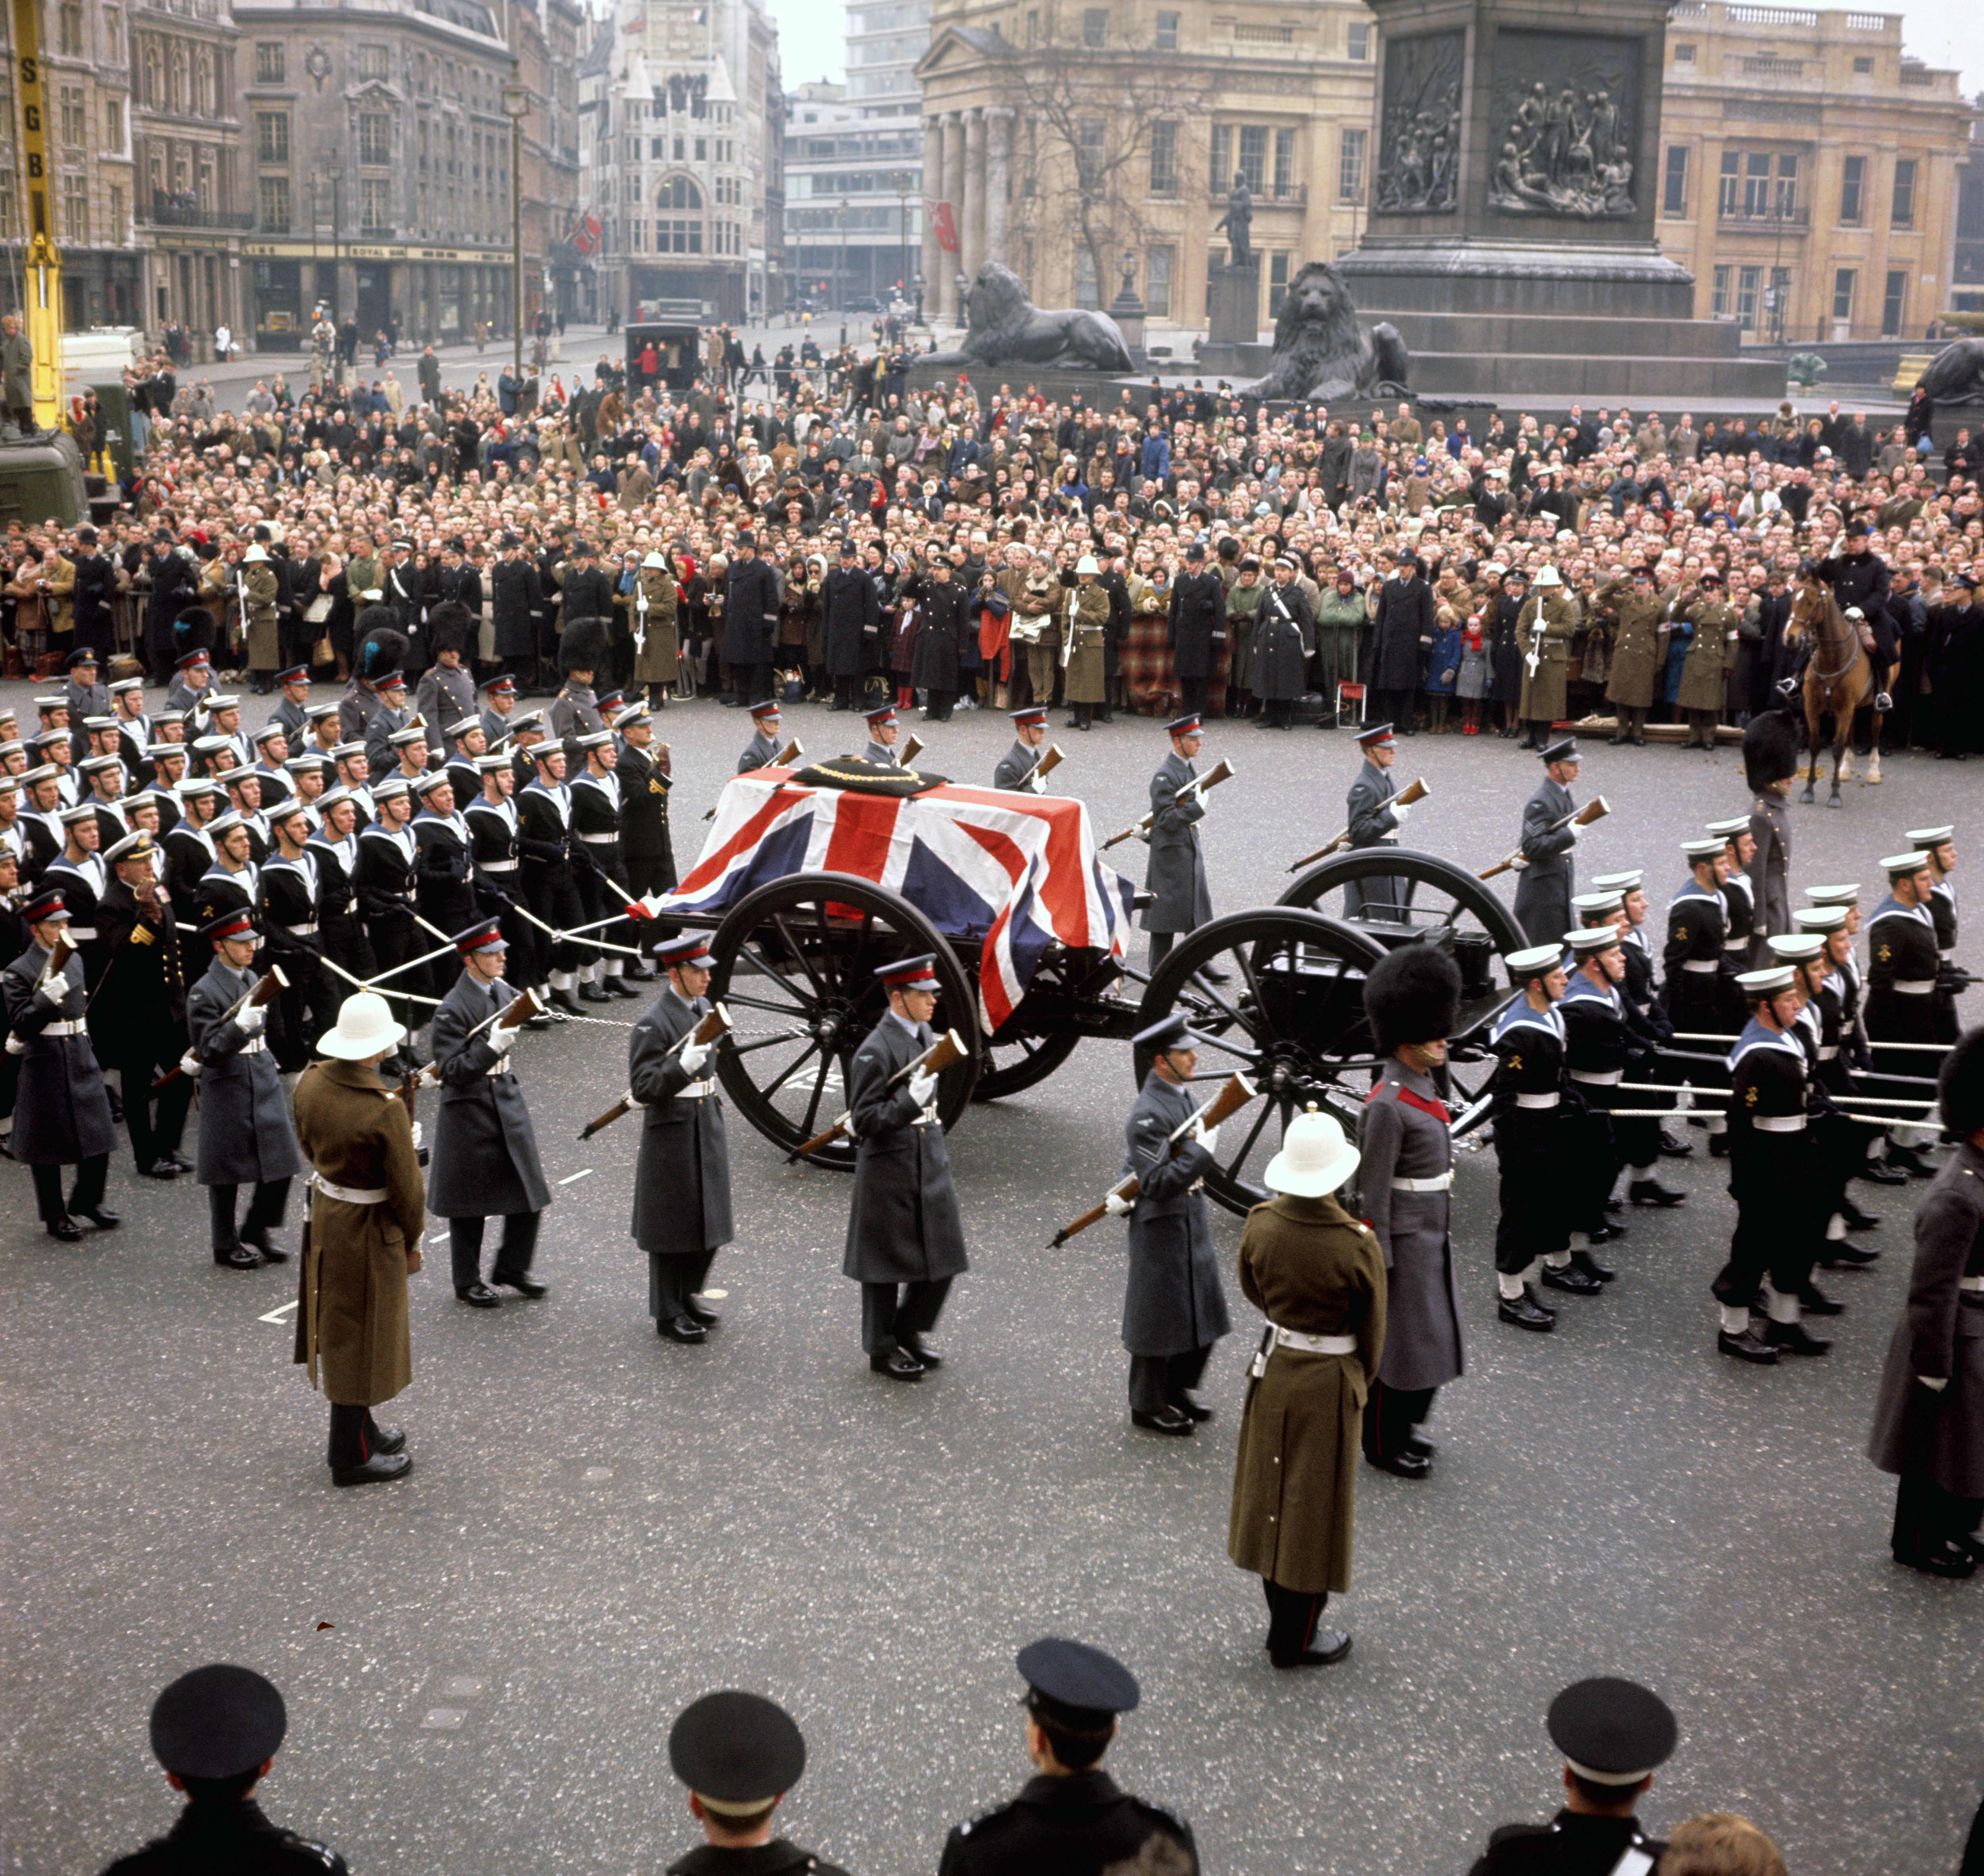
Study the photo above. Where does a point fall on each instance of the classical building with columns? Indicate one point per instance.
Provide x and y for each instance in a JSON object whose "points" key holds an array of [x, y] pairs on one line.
{"points": [[1150, 111]]}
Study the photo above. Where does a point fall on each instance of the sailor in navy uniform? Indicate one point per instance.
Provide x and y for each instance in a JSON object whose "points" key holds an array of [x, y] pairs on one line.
{"points": [[215, 1731], [1614, 1735], [1938, 845], [739, 1754], [597, 818], [484, 1163], [883, 732], [764, 743], [287, 907], [1854, 1049], [442, 894], [1638, 1140], [1696, 958], [495, 864], [1904, 977], [1071, 1816], [545, 838], [1174, 1307], [1740, 932], [134, 725], [1774, 1177], [1018, 767], [1528, 1086], [1181, 899], [340, 925], [383, 881], [905, 1238], [1600, 1049], [1548, 876], [1373, 817]]}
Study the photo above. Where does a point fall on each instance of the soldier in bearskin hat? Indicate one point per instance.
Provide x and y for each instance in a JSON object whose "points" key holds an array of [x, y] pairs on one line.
{"points": [[1769, 761], [446, 693]]}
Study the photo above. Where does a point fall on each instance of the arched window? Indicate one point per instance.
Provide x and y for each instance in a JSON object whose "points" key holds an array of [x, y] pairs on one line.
{"points": [[679, 192]]}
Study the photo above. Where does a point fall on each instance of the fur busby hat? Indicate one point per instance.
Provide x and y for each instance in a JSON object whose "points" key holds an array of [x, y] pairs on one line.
{"points": [[1412, 994], [1960, 1086], [192, 630], [1770, 749], [382, 646], [582, 646], [447, 627]]}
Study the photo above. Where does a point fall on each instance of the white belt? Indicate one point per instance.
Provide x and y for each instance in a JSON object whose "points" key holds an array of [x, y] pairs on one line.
{"points": [[74, 1028], [349, 1194], [1315, 1345], [497, 866], [1537, 1100], [499, 1067], [1701, 963], [85, 931], [1779, 1122], [1599, 1077], [1914, 987], [253, 1045], [599, 840], [1970, 1283], [1735, 944], [1829, 1051], [697, 1091], [1425, 1185], [1947, 950], [301, 931]]}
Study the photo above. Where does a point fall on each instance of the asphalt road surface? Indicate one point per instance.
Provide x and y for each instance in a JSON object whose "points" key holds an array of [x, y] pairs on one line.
{"points": [[482, 1663]]}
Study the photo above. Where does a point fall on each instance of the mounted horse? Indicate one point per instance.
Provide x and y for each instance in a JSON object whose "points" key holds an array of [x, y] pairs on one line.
{"points": [[1840, 678]]}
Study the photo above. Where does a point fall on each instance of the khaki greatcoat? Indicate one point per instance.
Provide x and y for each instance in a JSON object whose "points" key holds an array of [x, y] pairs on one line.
{"points": [[1711, 654], [1308, 1266], [655, 662], [1639, 646], [351, 1321], [1546, 692]]}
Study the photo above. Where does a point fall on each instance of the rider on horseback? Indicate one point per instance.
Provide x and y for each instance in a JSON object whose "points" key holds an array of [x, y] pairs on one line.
{"points": [[1858, 580]]}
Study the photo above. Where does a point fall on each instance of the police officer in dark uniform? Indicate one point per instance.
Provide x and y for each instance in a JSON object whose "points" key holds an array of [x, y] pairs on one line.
{"points": [[1614, 1734], [1197, 627], [245, 1134], [904, 1239], [1373, 818], [1070, 1818], [739, 1754], [681, 1179], [1174, 1309], [484, 1163], [215, 1731]]}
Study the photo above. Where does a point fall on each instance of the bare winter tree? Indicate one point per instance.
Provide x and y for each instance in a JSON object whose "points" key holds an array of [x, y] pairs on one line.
{"points": [[1102, 130]]}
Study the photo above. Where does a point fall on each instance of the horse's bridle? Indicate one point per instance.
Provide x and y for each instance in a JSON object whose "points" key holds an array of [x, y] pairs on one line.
{"points": [[1817, 629]]}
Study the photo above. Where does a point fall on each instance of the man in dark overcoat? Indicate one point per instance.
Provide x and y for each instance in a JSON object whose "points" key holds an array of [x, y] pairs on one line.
{"points": [[1197, 627], [61, 1115], [484, 1163], [851, 617], [245, 1135], [1401, 627], [1284, 636], [137, 1015], [1546, 882], [1175, 875], [750, 621], [939, 640], [1928, 1423], [1411, 998], [904, 1239], [681, 1179], [362, 1240], [1372, 819], [1174, 1309], [514, 599]]}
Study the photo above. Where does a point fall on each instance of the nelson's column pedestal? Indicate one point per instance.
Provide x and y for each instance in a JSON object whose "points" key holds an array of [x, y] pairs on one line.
{"points": [[1511, 234]]}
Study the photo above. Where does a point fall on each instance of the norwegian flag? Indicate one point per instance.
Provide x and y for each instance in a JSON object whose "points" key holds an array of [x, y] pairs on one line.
{"points": [[1014, 872]]}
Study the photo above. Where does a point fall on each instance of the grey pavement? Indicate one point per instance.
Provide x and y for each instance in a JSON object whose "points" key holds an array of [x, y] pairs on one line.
{"points": [[481, 1663]]}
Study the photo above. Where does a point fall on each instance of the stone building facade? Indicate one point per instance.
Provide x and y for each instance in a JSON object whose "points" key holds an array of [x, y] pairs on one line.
{"points": [[682, 143], [853, 199], [1808, 170]]}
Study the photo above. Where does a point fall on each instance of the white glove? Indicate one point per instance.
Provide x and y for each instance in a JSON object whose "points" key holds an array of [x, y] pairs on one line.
{"points": [[1574, 832], [1935, 1383], [923, 1087], [1117, 1207], [1400, 815], [190, 1063], [420, 1137], [1207, 1137], [16, 1046], [693, 1056], [250, 1021], [53, 993]]}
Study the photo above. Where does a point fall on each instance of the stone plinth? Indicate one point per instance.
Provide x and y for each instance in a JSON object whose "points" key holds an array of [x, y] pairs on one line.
{"points": [[1233, 306]]}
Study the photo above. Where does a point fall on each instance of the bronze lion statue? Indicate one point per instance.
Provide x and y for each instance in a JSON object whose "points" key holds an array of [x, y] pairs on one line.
{"points": [[1003, 327], [1322, 351]]}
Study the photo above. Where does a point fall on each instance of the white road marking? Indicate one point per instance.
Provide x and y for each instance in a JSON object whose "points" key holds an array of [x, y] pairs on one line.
{"points": [[573, 1179], [276, 1315]]}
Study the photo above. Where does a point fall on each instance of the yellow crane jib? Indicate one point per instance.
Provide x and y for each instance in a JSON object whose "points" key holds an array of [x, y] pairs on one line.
{"points": [[41, 262]]}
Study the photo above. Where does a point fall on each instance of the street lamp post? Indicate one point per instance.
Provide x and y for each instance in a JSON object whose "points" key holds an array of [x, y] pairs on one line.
{"points": [[902, 233], [516, 107], [840, 272]]}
